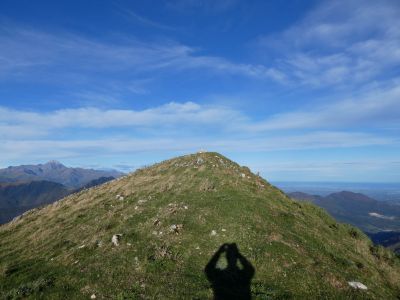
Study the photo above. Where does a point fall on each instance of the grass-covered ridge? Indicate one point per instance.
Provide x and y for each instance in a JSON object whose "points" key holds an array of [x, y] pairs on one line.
{"points": [[64, 250]]}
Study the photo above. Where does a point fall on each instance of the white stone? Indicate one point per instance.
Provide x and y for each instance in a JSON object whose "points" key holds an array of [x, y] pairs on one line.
{"points": [[93, 296], [223, 229], [80, 247], [243, 175], [213, 232], [185, 207], [120, 198], [357, 285], [115, 239], [176, 228]]}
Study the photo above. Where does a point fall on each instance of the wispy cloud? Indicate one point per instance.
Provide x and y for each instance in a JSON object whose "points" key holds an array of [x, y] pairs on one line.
{"points": [[135, 17], [374, 108], [207, 6], [172, 113], [340, 43], [72, 56], [42, 148], [48, 134]]}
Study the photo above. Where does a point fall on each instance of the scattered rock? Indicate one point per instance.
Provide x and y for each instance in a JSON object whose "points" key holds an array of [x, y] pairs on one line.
{"points": [[223, 229], [115, 239], [243, 175], [213, 232], [199, 161], [93, 296], [80, 247], [185, 207], [142, 201], [120, 198], [357, 285], [176, 228]]}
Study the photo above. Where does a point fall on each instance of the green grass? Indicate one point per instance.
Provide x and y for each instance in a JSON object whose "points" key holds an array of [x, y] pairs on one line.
{"points": [[297, 250]]}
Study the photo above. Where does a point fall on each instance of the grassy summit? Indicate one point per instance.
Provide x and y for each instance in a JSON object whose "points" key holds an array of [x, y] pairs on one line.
{"points": [[172, 218]]}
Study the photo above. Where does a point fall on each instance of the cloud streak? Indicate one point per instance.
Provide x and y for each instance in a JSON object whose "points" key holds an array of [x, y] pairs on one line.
{"points": [[67, 55], [339, 43], [376, 108], [42, 148], [40, 134]]}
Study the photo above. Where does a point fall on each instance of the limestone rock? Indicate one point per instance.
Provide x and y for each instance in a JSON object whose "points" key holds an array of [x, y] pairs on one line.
{"points": [[115, 239], [357, 285]]}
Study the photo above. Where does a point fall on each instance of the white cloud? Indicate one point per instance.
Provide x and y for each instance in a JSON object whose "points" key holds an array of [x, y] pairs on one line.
{"points": [[376, 215], [377, 108], [42, 148], [207, 6], [340, 43], [131, 15], [71, 56], [188, 113]]}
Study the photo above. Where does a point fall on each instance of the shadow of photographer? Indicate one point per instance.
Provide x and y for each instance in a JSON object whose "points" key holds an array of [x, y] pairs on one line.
{"points": [[232, 282]]}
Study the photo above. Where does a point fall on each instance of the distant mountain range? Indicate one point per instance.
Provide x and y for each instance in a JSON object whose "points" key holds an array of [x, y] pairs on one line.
{"points": [[56, 172], [25, 187], [379, 219]]}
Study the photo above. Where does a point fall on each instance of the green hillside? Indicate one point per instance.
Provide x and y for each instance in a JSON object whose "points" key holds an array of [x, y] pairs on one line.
{"points": [[172, 218]]}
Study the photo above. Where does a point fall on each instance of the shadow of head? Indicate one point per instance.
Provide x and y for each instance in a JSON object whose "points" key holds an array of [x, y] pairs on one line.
{"points": [[233, 281]]}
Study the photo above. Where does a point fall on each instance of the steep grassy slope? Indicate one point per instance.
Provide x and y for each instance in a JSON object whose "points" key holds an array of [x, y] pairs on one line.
{"points": [[173, 217]]}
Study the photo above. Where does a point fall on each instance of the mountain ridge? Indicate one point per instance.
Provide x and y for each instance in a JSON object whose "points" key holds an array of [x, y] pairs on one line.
{"points": [[366, 213], [56, 172]]}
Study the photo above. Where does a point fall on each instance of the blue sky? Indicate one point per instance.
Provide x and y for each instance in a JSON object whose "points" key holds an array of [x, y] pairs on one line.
{"points": [[298, 90]]}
